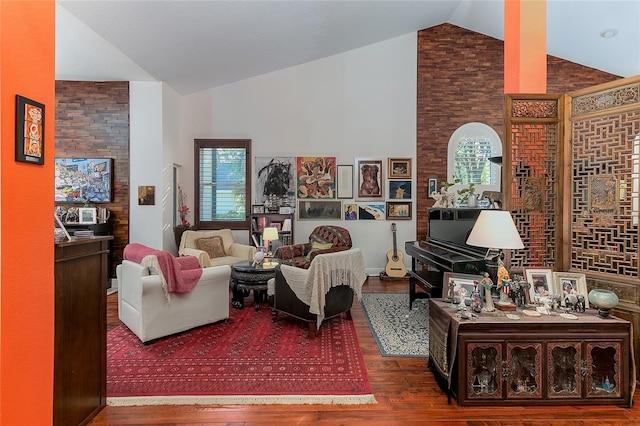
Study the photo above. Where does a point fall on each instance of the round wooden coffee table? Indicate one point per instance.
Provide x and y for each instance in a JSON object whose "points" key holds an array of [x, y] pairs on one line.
{"points": [[246, 276]]}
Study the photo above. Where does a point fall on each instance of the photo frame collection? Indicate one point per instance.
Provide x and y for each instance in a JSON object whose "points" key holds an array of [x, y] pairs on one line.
{"points": [[321, 189]]}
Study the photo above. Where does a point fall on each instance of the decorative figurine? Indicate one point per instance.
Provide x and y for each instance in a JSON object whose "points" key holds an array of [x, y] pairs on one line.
{"points": [[475, 298], [504, 284], [451, 294], [487, 284]]}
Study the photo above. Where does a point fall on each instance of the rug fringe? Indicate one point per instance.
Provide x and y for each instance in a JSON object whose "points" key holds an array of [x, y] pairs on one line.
{"points": [[242, 400]]}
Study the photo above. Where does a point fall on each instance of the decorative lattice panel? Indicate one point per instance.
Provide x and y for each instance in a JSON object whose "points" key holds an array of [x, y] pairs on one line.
{"points": [[605, 194], [534, 149]]}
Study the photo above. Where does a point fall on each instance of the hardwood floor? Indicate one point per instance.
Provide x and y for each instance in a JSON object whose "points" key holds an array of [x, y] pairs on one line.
{"points": [[405, 389]]}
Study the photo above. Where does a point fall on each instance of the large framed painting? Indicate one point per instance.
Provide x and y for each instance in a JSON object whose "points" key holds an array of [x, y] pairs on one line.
{"points": [[81, 180], [319, 209], [370, 179], [275, 177], [316, 177]]}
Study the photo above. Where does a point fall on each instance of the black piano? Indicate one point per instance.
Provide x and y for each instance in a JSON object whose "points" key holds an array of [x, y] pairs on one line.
{"points": [[444, 250]]}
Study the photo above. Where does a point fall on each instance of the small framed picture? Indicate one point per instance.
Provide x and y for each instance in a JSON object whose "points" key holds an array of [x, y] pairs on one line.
{"points": [[257, 208], [87, 216], [541, 280], [29, 131], [350, 211], [371, 212], [398, 210], [345, 181], [457, 282], [319, 209], [566, 283], [433, 187], [399, 168], [400, 189]]}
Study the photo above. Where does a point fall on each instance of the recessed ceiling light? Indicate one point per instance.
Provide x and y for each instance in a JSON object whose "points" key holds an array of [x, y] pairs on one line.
{"points": [[609, 33]]}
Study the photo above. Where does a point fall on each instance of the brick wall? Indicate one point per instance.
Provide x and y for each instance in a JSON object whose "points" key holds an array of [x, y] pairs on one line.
{"points": [[460, 79], [92, 120]]}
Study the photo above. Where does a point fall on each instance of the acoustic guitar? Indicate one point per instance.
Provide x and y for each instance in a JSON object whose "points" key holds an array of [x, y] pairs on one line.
{"points": [[395, 266]]}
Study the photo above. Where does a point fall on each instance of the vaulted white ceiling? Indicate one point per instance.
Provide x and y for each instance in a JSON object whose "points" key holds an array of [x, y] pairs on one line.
{"points": [[196, 45]]}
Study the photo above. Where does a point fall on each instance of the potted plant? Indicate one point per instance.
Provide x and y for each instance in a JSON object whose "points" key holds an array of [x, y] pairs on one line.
{"points": [[468, 195]]}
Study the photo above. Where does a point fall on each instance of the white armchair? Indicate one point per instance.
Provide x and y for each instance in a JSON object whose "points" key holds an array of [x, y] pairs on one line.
{"points": [[143, 305], [233, 252]]}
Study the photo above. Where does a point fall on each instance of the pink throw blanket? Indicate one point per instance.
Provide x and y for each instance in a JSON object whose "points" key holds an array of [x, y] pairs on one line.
{"points": [[180, 273]]}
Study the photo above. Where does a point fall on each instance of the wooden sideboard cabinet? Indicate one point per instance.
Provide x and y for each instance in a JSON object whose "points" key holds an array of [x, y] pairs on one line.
{"points": [[80, 367], [545, 360]]}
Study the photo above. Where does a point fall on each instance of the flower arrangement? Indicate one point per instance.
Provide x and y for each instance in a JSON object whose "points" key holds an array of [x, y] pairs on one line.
{"points": [[183, 209]]}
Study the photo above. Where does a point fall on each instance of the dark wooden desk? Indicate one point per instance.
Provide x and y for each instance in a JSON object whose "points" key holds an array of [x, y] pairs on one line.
{"points": [[80, 347], [546, 360]]}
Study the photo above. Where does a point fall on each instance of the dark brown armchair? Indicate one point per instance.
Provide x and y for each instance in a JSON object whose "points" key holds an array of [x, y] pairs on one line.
{"points": [[301, 255], [323, 291]]}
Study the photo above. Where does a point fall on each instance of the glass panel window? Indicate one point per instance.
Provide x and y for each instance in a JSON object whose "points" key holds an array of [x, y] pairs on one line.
{"points": [[469, 150], [223, 187]]}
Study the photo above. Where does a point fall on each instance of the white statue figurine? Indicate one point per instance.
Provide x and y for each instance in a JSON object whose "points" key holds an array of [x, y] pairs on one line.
{"points": [[487, 284]]}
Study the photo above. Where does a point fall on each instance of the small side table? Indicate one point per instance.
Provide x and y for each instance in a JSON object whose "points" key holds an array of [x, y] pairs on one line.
{"points": [[247, 276]]}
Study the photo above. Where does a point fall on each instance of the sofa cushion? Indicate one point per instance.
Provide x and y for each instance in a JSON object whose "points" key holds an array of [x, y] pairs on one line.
{"points": [[212, 245], [318, 246]]}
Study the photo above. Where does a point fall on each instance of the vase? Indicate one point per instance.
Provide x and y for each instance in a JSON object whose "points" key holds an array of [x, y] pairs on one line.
{"points": [[472, 201], [178, 231], [604, 300]]}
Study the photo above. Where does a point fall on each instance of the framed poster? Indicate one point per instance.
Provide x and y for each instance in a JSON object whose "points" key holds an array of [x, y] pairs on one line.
{"points": [[398, 210], [399, 189], [399, 168], [319, 209], [345, 181], [316, 177], [29, 131], [370, 179]]}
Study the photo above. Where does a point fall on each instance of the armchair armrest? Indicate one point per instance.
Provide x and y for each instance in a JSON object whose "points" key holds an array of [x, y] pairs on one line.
{"points": [[203, 256], [291, 251], [242, 251]]}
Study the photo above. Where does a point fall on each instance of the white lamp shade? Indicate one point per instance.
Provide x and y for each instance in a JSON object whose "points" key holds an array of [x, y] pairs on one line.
{"points": [[270, 234], [494, 229]]}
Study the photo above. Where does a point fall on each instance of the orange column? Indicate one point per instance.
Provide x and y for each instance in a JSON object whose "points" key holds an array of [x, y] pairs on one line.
{"points": [[27, 68], [525, 46]]}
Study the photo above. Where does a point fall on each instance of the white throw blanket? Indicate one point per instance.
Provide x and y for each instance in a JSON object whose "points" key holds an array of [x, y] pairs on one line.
{"points": [[326, 271]]}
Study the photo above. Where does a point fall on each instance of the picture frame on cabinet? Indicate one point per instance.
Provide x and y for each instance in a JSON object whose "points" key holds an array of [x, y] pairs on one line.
{"points": [[459, 281], [541, 282], [257, 208], [87, 216], [566, 283], [399, 168]]}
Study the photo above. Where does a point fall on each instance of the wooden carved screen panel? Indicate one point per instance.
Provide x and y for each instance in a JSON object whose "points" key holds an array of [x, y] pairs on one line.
{"points": [[530, 162], [605, 154]]}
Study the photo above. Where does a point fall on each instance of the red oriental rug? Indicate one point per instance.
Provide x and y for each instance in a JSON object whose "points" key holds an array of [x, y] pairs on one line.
{"points": [[247, 360]]}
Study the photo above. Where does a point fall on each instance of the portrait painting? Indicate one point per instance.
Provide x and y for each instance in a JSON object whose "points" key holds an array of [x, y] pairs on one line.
{"points": [[370, 179], [350, 212]]}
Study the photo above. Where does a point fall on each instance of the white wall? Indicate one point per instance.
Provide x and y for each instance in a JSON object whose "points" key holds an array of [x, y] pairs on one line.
{"points": [[360, 103], [154, 135]]}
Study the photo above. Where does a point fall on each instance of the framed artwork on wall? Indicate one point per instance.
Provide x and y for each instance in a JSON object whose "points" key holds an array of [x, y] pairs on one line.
{"points": [[146, 195], [87, 216], [29, 131], [350, 212], [345, 181], [316, 177], [399, 189], [399, 168], [371, 212], [319, 210], [398, 210], [433, 187], [370, 179]]}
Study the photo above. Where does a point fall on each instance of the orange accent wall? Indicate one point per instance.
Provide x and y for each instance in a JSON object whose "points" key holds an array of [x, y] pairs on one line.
{"points": [[27, 67], [525, 46]]}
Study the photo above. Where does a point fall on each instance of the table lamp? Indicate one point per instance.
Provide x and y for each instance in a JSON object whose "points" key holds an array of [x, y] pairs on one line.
{"points": [[495, 231], [268, 235]]}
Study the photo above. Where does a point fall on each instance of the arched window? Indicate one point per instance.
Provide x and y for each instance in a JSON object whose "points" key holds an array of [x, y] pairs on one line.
{"points": [[469, 150]]}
